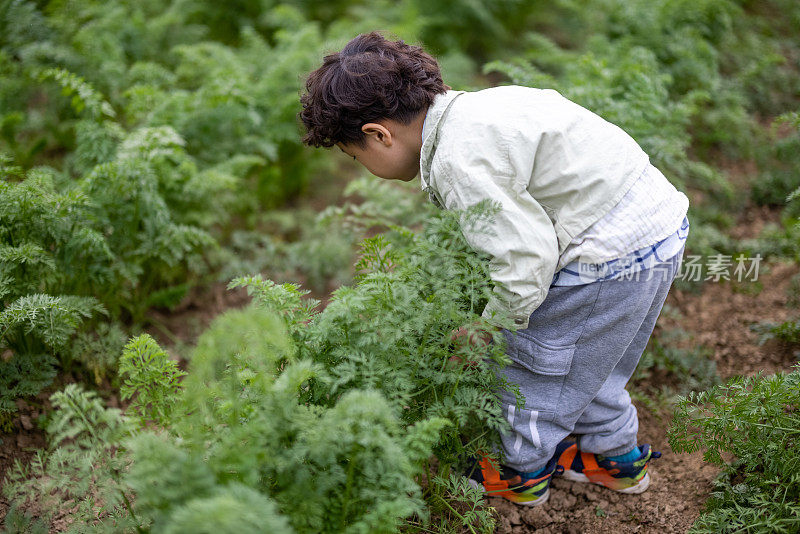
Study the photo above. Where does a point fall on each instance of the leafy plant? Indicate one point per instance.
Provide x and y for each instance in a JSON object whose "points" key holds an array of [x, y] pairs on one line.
{"points": [[151, 378], [460, 505], [377, 203], [111, 236], [288, 244], [325, 420], [787, 331], [98, 349], [32, 329], [82, 469], [40, 243], [756, 420], [392, 330]]}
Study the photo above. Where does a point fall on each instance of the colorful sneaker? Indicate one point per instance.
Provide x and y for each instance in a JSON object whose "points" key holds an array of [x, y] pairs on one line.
{"points": [[512, 484], [624, 477]]}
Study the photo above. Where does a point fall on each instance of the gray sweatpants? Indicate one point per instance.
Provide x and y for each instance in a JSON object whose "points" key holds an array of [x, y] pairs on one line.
{"points": [[572, 364]]}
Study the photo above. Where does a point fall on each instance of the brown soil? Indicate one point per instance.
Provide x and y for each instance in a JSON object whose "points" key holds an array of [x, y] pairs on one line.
{"points": [[680, 485], [721, 316], [24, 440]]}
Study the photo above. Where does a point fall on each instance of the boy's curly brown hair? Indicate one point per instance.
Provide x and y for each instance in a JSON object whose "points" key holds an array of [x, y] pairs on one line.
{"points": [[372, 78]]}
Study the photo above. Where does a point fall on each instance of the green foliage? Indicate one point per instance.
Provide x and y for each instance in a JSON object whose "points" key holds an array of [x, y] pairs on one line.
{"points": [[231, 103], [84, 97], [378, 204], [288, 244], [151, 378], [52, 319], [780, 165], [20, 523], [159, 130], [391, 331], [460, 506], [241, 432], [22, 376], [322, 421], [156, 133], [476, 28], [787, 331], [235, 510], [756, 420], [285, 299], [151, 64], [113, 235], [98, 349], [46, 244], [145, 201], [81, 471], [320, 246], [715, 46], [32, 329]]}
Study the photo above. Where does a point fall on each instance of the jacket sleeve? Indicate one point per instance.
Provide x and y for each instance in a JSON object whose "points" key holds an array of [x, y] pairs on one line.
{"points": [[522, 242]]}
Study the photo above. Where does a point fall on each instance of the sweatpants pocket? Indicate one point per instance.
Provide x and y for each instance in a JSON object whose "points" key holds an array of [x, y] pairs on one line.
{"points": [[538, 357], [539, 370]]}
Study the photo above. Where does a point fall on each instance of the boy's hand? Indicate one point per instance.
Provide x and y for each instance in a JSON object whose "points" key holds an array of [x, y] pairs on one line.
{"points": [[480, 337]]}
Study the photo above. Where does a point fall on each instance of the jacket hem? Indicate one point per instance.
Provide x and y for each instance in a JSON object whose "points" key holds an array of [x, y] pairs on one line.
{"points": [[603, 210], [520, 319]]}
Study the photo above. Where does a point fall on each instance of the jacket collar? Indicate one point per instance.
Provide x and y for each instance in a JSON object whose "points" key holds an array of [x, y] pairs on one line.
{"points": [[430, 132]]}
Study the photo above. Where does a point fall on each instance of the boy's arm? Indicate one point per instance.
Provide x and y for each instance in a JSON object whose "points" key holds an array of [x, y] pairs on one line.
{"points": [[524, 247]]}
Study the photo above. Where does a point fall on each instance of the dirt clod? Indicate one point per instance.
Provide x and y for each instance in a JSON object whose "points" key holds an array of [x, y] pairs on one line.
{"points": [[26, 422]]}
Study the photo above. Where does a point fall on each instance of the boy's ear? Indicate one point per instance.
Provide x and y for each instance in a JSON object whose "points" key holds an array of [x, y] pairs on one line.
{"points": [[379, 132]]}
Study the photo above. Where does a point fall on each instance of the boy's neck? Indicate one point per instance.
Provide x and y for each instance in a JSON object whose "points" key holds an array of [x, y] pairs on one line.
{"points": [[417, 125]]}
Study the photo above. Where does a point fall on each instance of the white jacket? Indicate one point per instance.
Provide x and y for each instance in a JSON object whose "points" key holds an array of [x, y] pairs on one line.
{"points": [[553, 166]]}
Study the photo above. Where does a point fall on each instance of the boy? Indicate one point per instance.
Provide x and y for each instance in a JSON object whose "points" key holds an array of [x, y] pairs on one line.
{"points": [[586, 245]]}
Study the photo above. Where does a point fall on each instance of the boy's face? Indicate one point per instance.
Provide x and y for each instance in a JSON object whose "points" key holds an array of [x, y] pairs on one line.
{"points": [[391, 150]]}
